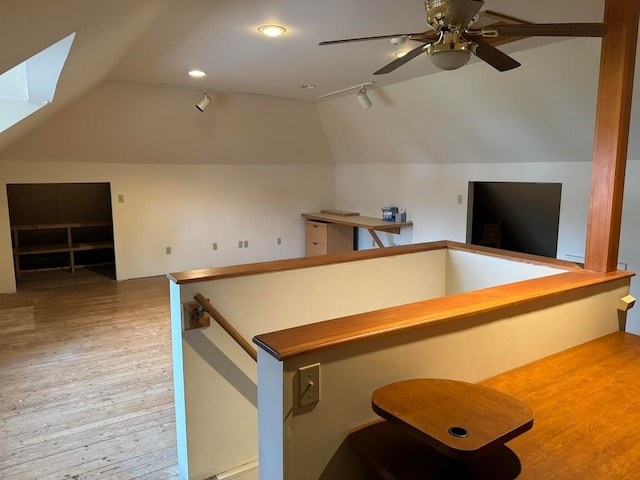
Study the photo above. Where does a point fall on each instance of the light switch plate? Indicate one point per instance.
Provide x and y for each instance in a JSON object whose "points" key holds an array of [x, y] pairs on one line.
{"points": [[309, 384]]}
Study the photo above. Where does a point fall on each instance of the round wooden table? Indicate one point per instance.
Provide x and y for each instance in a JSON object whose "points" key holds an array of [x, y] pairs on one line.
{"points": [[464, 421]]}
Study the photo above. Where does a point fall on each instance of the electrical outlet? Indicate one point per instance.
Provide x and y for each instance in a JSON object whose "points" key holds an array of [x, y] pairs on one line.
{"points": [[459, 199], [167, 250], [309, 384], [240, 244], [214, 246], [246, 244], [120, 198]]}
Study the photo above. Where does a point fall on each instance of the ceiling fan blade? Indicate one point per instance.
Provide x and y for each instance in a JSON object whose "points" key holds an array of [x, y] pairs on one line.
{"points": [[460, 12], [494, 57], [364, 39], [497, 17], [548, 30], [398, 62]]}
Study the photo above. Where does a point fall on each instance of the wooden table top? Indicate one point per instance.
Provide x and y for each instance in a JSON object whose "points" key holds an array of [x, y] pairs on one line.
{"points": [[462, 420], [369, 223]]}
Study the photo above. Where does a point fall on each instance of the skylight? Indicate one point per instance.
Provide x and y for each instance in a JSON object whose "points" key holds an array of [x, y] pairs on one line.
{"points": [[31, 85]]}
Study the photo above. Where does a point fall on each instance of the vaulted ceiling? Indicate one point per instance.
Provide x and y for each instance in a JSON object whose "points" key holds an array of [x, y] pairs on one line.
{"points": [[156, 42]]}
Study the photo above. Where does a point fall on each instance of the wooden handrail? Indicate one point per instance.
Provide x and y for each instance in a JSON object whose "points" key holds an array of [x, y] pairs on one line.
{"points": [[224, 323], [233, 271], [291, 342]]}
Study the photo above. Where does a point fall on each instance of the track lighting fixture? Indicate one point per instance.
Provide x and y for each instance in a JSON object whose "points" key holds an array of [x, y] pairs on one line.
{"points": [[204, 102], [361, 96]]}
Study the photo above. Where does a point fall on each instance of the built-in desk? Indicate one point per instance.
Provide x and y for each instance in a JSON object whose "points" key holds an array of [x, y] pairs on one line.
{"points": [[371, 224], [586, 402], [587, 406]]}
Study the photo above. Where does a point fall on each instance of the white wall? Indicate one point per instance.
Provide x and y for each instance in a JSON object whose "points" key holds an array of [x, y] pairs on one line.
{"points": [[630, 234], [126, 123], [242, 170], [188, 207], [430, 194], [219, 383], [468, 271]]}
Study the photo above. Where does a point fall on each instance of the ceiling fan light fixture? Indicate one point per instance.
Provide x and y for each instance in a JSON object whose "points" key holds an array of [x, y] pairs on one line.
{"points": [[449, 56], [451, 60]]}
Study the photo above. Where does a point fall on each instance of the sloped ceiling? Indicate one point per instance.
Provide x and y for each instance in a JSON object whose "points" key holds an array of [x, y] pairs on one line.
{"points": [[155, 42], [105, 31]]}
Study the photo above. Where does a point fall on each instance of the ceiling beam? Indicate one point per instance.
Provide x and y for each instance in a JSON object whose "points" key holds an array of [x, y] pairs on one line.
{"points": [[617, 65]]}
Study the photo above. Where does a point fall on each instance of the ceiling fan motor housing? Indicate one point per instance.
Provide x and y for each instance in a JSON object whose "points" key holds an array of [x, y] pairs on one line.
{"points": [[436, 11]]}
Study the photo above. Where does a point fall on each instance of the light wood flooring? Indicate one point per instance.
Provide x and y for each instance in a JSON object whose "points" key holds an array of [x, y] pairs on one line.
{"points": [[86, 386]]}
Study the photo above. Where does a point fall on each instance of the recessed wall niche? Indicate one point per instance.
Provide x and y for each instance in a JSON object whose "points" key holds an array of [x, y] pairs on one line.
{"points": [[517, 216], [61, 226]]}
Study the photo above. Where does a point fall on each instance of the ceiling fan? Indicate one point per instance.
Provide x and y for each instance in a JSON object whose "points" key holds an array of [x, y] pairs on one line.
{"points": [[452, 40]]}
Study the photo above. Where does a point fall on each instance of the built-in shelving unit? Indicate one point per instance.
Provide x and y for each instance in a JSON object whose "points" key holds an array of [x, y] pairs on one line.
{"points": [[80, 237], [60, 226]]}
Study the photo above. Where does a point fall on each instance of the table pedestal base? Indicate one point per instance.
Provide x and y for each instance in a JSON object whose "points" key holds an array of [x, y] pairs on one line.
{"points": [[396, 455]]}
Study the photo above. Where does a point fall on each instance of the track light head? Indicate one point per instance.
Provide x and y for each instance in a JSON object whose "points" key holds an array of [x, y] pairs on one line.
{"points": [[363, 98], [204, 102], [360, 85]]}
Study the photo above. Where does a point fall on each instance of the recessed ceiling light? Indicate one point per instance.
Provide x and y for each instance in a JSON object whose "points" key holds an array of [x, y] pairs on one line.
{"points": [[272, 30], [197, 73]]}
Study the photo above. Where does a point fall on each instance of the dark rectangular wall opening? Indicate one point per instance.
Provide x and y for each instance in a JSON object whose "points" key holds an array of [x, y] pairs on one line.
{"points": [[516, 216], [61, 226]]}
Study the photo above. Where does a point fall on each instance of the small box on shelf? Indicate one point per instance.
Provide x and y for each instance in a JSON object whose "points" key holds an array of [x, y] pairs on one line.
{"points": [[388, 213], [394, 214]]}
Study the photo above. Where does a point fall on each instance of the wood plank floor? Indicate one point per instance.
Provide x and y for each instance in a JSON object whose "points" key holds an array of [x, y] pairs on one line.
{"points": [[86, 386]]}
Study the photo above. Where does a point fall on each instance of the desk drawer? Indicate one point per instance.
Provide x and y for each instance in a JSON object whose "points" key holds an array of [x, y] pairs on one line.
{"points": [[313, 248], [322, 238], [316, 232]]}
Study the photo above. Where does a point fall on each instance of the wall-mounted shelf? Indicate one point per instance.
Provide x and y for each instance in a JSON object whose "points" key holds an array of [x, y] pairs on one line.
{"points": [[371, 224]]}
